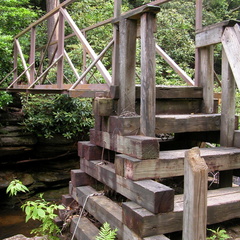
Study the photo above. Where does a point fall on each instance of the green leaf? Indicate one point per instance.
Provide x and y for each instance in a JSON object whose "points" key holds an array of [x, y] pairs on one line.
{"points": [[41, 213]]}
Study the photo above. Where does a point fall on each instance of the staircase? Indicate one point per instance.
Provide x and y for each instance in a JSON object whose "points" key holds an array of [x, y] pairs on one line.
{"points": [[127, 163]]}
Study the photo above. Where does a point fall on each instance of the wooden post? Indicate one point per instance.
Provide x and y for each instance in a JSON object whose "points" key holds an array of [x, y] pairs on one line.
{"points": [[195, 196], [15, 62], [128, 34], [115, 59], [60, 50], [227, 115], [148, 79], [32, 54], [198, 25], [206, 77]]}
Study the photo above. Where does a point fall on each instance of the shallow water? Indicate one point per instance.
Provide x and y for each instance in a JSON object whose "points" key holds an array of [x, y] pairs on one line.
{"points": [[12, 222]]}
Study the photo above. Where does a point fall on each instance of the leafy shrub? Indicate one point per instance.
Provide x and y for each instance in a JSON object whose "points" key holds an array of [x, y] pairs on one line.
{"points": [[5, 99], [47, 115]]}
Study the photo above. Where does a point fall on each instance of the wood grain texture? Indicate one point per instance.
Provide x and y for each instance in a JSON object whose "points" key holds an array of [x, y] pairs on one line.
{"points": [[152, 195], [195, 195], [141, 147], [223, 204], [171, 163], [231, 46], [148, 78]]}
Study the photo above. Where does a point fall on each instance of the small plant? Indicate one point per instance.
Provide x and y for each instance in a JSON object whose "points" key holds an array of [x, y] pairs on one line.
{"points": [[39, 209], [219, 234], [106, 233], [15, 187]]}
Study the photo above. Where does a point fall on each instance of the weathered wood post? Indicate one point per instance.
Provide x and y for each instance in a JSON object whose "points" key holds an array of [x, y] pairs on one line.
{"points": [[60, 50], [32, 54], [128, 34], [227, 116], [195, 196], [148, 68]]}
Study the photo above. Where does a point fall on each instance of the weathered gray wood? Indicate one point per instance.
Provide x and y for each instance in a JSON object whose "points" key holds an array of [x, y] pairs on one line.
{"points": [[170, 163], [152, 195], [89, 151], [223, 204], [128, 34], [206, 77], [231, 46], [228, 104], [212, 34], [176, 92], [236, 139], [104, 210], [103, 107], [80, 178], [86, 230], [195, 195], [141, 147], [148, 78], [158, 237]]}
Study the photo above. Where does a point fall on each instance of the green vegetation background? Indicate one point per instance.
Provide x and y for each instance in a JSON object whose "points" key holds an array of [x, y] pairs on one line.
{"points": [[70, 117]]}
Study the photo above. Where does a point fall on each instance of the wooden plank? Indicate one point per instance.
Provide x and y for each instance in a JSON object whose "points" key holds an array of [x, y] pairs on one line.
{"points": [[195, 195], [141, 147], [104, 106], [104, 210], [154, 196], [206, 77], [231, 46], [170, 163], [127, 61], [236, 139], [80, 178], [223, 205], [158, 237], [148, 78], [175, 92], [86, 45], [187, 123], [85, 230], [89, 151], [228, 124]]}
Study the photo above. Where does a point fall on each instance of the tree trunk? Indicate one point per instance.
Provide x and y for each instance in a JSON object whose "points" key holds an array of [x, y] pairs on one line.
{"points": [[50, 5]]}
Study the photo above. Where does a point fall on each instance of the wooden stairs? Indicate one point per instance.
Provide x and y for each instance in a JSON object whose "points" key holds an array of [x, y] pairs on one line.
{"points": [[134, 167]]}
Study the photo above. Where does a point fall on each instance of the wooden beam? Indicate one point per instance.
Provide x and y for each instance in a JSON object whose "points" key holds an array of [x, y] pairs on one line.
{"points": [[228, 124], [207, 77], [148, 78], [45, 17], [32, 54], [154, 196], [128, 34], [104, 210], [231, 46], [141, 147], [80, 178], [223, 204], [195, 195], [174, 66], [170, 163], [86, 45]]}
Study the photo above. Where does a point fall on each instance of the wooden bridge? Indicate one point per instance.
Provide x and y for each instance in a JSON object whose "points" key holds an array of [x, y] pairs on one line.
{"points": [[141, 131]]}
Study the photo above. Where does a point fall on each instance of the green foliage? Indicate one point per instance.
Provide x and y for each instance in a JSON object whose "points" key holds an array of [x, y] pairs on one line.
{"points": [[47, 115], [106, 233], [219, 234], [44, 212], [15, 187], [15, 16], [5, 99]]}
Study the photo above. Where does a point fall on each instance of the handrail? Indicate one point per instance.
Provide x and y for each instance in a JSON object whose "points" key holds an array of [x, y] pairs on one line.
{"points": [[175, 67], [43, 18]]}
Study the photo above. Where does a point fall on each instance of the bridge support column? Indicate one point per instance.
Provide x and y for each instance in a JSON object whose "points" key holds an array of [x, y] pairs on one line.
{"points": [[148, 79], [128, 35]]}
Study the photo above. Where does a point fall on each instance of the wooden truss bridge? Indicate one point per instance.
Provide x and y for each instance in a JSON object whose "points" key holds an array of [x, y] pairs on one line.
{"points": [[141, 131]]}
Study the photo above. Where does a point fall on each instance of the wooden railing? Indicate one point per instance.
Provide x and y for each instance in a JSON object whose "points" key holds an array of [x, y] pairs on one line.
{"points": [[34, 75]]}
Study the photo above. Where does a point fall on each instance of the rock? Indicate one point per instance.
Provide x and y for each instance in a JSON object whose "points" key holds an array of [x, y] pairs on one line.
{"points": [[22, 237]]}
